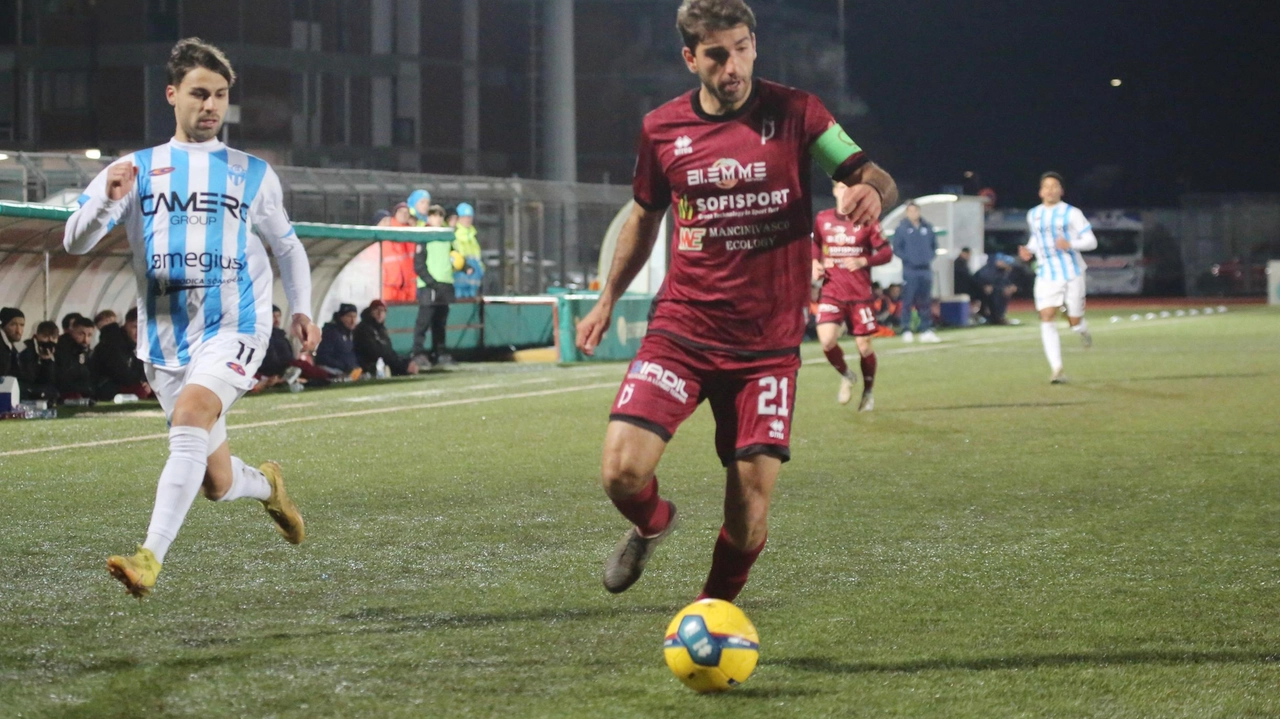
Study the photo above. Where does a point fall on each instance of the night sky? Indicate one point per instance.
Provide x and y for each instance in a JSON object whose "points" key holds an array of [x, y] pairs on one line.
{"points": [[1010, 88]]}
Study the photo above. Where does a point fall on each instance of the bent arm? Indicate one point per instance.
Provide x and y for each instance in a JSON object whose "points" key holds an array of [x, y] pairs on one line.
{"points": [[96, 216], [1082, 237], [882, 251], [272, 224], [874, 175], [635, 244]]}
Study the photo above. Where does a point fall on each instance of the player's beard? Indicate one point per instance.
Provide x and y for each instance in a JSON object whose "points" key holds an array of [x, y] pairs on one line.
{"points": [[731, 98], [203, 134]]}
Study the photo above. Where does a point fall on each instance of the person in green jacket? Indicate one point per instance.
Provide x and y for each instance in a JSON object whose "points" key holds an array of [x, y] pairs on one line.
{"points": [[434, 268], [467, 279]]}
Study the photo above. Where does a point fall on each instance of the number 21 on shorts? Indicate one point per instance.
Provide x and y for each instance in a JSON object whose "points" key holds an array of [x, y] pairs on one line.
{"points": [[773, 397]]}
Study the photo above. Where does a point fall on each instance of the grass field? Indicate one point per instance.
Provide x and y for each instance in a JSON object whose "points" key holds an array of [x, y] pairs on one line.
{"points": [[982, 545]]}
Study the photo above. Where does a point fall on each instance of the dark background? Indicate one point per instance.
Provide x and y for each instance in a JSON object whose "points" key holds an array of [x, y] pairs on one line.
{"points": [[1008, 89]]}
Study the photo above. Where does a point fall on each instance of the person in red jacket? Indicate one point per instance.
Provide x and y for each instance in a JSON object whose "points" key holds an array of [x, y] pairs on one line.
{"points": [[843, 254]]}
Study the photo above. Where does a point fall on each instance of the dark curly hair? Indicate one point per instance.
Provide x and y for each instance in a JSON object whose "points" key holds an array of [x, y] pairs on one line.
{"points": [[192, 52], [696, 18]]}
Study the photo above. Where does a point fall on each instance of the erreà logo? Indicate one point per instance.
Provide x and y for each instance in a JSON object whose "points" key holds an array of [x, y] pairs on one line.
{"points": [[684, 146], [685, 208]]}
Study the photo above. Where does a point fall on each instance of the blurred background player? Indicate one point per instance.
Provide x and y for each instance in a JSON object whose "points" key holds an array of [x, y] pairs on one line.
{"points": [[727, 325], [204, 295], [843, 255], [1059, 232]]}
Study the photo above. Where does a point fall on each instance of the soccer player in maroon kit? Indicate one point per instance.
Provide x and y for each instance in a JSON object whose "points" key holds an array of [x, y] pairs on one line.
{"points": [[843, 255], [734, 156]]}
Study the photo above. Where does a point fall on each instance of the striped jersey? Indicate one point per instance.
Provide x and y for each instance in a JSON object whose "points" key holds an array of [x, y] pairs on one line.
{"points": [[1048, 225], [195, 221]]}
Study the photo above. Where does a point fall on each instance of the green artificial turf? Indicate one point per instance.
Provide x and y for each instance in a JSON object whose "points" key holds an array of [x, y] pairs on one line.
{"points": [[982, 545]]}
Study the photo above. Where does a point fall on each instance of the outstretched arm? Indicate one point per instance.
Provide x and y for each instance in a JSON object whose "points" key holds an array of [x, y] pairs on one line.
{"points": [[102, 206], [635, 244]]}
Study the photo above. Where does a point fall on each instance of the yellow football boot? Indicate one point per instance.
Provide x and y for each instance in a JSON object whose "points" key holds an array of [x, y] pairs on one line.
{"points": [[137, 573], [282, 509]]}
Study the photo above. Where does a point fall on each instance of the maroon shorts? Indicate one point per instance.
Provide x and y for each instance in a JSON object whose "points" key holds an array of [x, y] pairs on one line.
{"points": [[751, 398], [859, 317]]}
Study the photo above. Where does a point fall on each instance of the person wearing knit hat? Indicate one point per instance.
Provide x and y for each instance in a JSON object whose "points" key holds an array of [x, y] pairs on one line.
{"points": [[337, 346], [373, 343], [419, 204]]}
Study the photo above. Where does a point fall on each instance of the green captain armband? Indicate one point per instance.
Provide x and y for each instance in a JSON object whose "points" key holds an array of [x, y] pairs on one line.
{"points": [[832, 148]]}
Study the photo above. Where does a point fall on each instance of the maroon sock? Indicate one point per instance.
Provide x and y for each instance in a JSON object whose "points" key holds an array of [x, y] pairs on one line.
{"points": [[835, 356], [649, 512], [868, 371], [729, 569]]}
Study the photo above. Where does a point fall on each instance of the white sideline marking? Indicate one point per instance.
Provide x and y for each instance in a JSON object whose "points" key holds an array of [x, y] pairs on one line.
{"points": [[1021, 335], [335, 415]]}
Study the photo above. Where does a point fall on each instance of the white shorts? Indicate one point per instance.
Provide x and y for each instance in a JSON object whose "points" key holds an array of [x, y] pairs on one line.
{"points": [[224, 365], [1052, 294]]}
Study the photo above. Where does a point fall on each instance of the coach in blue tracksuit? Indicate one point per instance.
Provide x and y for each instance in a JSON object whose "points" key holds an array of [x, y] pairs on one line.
{"points": [[916, 244]]}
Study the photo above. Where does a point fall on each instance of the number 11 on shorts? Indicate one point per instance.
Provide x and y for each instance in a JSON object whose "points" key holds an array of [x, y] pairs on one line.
{"points": [[768, 405]]}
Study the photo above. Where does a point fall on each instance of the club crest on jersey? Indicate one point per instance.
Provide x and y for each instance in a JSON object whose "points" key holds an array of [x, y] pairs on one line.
{"points": [[236, 368], [160, 171], [691, 239], [727, 172], [768, 129], [237, 174], [684, 146]]}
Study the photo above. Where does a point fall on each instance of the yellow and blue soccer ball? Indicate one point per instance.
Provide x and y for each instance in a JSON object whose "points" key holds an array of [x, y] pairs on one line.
{"points": [[711, 646]]}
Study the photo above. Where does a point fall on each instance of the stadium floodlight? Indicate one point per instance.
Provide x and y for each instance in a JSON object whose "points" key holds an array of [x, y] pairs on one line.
{"points": [[1116, 82], [93, 154], [3, 157]]}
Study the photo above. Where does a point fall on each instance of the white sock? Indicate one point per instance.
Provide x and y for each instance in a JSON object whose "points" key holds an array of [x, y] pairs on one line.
{"points": [[179, 483], [1052, 344], [1082, 327], [246, 481]]}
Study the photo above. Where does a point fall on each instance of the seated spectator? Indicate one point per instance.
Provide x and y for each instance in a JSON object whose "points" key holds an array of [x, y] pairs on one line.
{"points": [[995, 287], [889, 307], [381, 218], [277, 364], [38, 373], [12, 323], [74, 361], [373, 343], [116, 367], [337, 345]]}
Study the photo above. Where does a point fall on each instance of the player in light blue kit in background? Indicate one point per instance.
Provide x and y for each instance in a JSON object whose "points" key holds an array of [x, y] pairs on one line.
{"points": [[1059, 233], [195, 212]]}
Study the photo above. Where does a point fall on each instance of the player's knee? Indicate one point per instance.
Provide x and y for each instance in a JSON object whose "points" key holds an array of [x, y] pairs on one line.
{"points": [[622, 475]]}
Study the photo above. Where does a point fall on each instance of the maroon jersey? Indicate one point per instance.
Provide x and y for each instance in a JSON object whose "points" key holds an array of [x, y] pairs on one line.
{"points": [[834, 239], [739, 267]]}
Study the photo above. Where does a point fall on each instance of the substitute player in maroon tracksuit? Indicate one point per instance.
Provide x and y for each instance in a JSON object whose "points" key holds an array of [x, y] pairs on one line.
{"points": [[843, 255], [734, 156]]}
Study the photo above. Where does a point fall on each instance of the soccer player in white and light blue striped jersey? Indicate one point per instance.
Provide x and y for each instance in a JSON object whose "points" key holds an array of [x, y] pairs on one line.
{"points": [[1059, 233], [196, 213]]}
